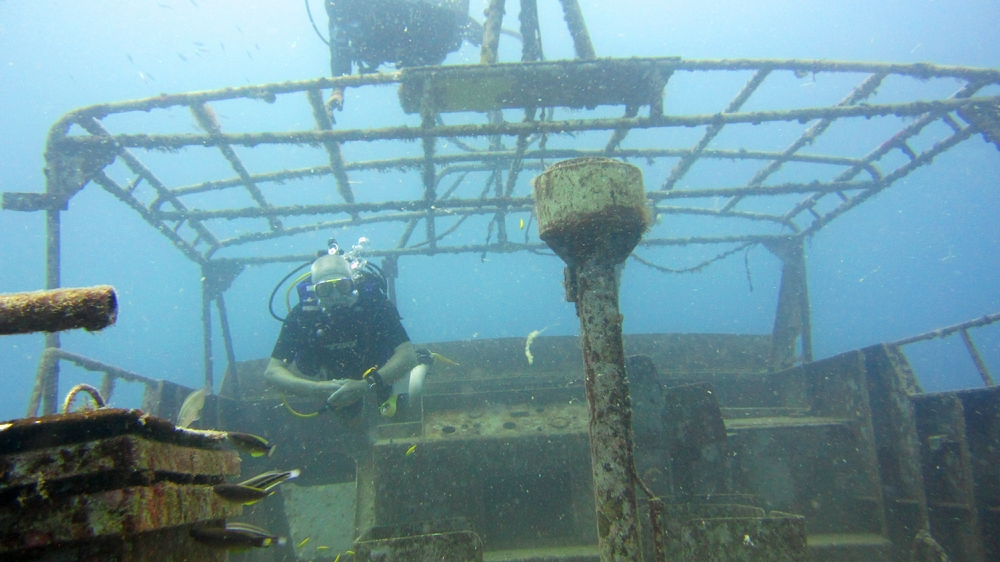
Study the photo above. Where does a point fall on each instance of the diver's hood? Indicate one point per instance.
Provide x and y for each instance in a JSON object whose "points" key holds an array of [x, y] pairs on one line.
{"points": [[333, 266], [330, 266]]}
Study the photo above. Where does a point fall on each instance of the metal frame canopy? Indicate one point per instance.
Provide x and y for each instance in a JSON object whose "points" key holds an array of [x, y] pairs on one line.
{"points": [[736, 152], [793, 190]]}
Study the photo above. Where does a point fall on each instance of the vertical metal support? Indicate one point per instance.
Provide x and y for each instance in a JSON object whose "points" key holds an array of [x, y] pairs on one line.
{"points": [[792, 318], [977, 359], [578, 30], [427, 171], [107, 386], [805, 311], [334, 155], [364, 513], [206, 326], [592, 212], [491, 32], [227, 339], [656, 508], [531, 35], [496, 144], [50, 358], [611, 446], [49, 381]]}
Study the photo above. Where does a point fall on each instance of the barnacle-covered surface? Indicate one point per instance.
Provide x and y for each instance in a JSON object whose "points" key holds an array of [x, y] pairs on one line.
{"points": [[109, 483], [798, 144]]}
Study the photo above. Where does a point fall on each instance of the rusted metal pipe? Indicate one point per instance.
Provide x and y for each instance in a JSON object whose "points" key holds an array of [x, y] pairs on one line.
{"points": [[491, 32], [531, 40], [949, 330], [592, 212], [578, 30], [90, 308], [206, 330]]}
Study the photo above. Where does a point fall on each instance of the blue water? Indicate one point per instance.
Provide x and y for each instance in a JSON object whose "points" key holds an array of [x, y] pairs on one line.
{"points": [[920, 256]]}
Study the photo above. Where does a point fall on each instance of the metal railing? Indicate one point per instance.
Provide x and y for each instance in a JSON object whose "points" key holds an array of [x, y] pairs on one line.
{"points": [[47, 378], [963, 330]]}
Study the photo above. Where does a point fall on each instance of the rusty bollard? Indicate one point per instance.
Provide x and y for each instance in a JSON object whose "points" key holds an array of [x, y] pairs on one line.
{"points": [[592, 212]]}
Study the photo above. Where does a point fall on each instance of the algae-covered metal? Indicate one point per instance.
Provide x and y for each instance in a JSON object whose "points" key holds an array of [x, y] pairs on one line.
{"points": [[592, 213], [110, 484], [90, 308]]}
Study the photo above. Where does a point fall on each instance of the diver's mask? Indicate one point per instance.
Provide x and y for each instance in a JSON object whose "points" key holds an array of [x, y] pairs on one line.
{"points": [[333, 284], [332, 288]]}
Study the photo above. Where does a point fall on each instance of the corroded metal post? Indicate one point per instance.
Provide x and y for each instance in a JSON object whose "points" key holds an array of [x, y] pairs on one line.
{"points": [[578, 30], [592, 212], [206, 329], [792, 318], [47, 383], [491, 32]]}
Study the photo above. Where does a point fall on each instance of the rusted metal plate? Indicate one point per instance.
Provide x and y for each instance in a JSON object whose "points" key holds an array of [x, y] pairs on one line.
{"points": [[106, 485], [78, 427], [578, 84], [123, 454], [777, 538], [448, 539], [531, 489], [166, 545], [695, 435], [123, 512]]}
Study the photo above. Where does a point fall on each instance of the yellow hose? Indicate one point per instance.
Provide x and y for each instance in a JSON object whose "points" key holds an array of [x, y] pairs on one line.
{"points": [[288, 293]]}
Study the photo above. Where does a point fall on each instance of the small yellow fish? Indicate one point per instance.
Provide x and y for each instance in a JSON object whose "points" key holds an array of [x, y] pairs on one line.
{"points": [[522, 224], [337, 559], [411, 450], [304, 541], [351, 552], [321, 547]]}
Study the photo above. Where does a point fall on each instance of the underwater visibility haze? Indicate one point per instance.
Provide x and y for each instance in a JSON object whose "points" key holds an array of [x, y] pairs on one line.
{"points": [[920, 255]]}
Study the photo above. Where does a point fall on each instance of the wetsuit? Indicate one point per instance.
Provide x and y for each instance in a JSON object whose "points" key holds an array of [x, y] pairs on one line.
{"points": [[344, 343]]}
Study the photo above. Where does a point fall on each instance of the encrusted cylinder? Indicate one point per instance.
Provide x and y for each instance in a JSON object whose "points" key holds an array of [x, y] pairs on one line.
{"points": [[592, 212], [591, 208], [90, 308]]}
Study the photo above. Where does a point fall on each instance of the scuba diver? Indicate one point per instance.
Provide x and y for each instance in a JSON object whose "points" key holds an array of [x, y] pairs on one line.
{"points": [[403, 33], [344, 335]]}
